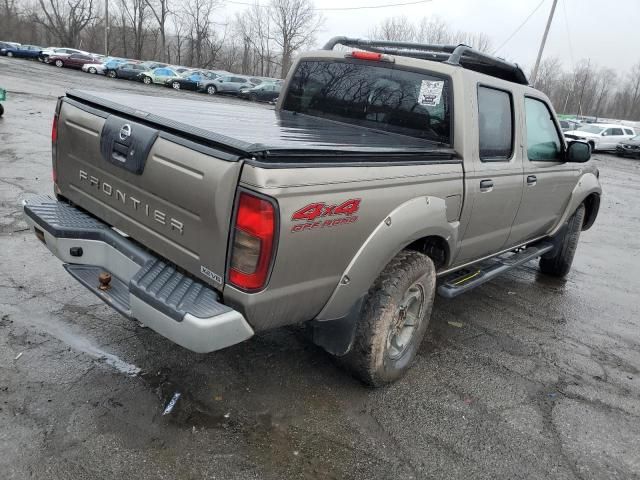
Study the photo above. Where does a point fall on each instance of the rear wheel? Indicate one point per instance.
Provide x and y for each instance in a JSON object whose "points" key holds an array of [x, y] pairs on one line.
{"points": [[394, 319], [211, 90], [592, 146], [559, 264], [59, 63], [176, 85]]}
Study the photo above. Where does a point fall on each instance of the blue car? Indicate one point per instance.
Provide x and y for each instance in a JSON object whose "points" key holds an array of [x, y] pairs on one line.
{"points": [[21, 51]]}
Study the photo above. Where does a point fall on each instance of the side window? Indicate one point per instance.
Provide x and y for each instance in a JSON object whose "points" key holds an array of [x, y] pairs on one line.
{"points": [[628, 132], [495, 124], [616, 131], [543, 142]]}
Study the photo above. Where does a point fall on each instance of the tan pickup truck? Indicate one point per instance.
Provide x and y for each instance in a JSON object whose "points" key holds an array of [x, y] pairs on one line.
{"points": [[386, 173]]}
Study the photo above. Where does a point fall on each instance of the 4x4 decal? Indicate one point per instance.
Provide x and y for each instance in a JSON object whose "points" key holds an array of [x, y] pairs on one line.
{"points": [[319, 210]]}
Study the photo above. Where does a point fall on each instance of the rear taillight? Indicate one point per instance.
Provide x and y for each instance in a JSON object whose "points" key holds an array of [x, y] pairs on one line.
{"points": [[253, 242], [54, 146]]}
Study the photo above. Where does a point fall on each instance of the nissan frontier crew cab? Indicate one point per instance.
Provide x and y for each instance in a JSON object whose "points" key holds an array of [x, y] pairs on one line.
{"points": [[388, 172]]}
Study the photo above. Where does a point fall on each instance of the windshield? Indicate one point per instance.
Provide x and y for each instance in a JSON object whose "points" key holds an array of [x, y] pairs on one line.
{"points": [[590, 129], [373, 95]]}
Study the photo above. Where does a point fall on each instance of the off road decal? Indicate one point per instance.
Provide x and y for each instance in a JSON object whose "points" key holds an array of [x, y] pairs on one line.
{"points": [[322, 215]]}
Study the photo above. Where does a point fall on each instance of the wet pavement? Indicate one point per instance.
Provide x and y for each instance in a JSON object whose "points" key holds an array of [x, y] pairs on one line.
{"points": [[539, 379]]}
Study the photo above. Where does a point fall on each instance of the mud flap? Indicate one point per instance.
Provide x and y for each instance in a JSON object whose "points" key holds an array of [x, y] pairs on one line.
{"points": [[337, 336]]}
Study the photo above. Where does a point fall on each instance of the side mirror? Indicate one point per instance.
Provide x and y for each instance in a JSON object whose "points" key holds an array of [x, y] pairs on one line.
{"points": [[578, 152]]}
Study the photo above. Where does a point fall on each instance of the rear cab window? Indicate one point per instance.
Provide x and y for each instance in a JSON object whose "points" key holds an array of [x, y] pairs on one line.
{"points": [[495, 124], [378, 96]]}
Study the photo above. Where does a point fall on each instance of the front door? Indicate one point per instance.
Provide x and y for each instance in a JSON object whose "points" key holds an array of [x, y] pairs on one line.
{"points": [[547, 181], [495, 185]]}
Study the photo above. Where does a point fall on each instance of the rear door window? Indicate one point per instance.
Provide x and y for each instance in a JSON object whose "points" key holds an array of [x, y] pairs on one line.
{"points": [[374, 95], [543, 141], [628, 132], [495, 122]]}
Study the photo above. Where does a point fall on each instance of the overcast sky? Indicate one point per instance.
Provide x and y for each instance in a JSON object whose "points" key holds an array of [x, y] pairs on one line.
{"points": [[607, 31]]}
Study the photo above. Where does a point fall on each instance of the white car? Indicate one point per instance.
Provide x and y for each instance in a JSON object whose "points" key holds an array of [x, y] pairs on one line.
{"points": [[94, 68], [59, 52], [601, 136]]}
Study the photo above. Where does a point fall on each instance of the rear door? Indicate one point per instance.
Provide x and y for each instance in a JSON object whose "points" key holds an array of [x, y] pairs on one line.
{"points": [[172, 198], [548, 181], [612, 137], [495, 185]]}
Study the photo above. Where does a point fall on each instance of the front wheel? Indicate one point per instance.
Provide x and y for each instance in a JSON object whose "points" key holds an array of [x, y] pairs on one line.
{"points": [[112, 74], [59, 63], [211, 90], [394, 319], [9, 54], [1, 110], [559, 264], [146, 80], [176, 85], [92, 70]]}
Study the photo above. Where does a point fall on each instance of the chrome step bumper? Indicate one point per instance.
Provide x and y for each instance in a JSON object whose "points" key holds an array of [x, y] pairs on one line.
{"points": [[143, 286]]}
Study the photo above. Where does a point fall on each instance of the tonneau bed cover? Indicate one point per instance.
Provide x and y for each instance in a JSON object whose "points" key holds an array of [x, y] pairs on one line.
{"points": [[259, 131]]}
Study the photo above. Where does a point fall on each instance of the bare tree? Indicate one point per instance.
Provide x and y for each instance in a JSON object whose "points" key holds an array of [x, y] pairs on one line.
{"points": [[295, 23], [134, 12], [66, 19], [160, 10], [397, 29]]}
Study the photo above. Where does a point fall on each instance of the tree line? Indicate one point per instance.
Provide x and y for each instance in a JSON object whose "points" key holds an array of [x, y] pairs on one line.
{"points": [[264, 38]]}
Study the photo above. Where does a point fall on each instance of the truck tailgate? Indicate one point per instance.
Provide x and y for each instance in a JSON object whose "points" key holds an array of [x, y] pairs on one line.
{"points": [[172, 195]]}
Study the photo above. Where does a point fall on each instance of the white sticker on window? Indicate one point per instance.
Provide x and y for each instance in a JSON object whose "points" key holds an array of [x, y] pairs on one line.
{"points": [[430, 92]]}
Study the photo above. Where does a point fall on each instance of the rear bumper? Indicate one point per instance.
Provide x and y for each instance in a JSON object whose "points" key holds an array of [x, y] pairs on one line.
{"points": [[143, 286]]}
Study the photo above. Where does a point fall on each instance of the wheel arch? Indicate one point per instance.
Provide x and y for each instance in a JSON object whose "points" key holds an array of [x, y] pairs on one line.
{"points": [[592, 207], [419, 224], [587, 191]]}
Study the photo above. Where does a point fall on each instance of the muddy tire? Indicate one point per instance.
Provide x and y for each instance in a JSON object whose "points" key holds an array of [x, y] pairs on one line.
{"points": [[394, 320], [560, 264]]}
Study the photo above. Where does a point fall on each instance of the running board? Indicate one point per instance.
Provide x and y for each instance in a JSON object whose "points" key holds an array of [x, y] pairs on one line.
{"points": [[469, 278]]}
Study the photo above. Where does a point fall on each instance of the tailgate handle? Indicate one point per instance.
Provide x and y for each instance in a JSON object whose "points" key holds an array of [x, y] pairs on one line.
{"points": [[126, 144]]}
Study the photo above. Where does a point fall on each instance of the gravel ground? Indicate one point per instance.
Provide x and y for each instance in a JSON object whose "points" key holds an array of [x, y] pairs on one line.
{"points": [[540, 381]]}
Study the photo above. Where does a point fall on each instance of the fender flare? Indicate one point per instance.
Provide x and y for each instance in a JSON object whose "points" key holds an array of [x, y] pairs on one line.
{"points": [[417, 218], [587, 185]]}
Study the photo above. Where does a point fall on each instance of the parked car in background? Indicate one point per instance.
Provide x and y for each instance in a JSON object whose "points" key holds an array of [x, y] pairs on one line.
{"points": [[629, 148], [567, 125], [158, 75], [11, 44], [59, 52], [76, 60], [152, 65], [601, 136], [265, 92], [7, 45], [101, 67], [21, 51], [128, 71], [189, 80], [226, 84]]}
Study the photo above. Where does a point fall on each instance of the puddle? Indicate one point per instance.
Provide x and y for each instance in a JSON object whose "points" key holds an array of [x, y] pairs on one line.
{"points": [[62, 332]]}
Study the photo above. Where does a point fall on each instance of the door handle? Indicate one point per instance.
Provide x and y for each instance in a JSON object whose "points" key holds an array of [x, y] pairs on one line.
{"points": [[486, 185], [532, 180]]}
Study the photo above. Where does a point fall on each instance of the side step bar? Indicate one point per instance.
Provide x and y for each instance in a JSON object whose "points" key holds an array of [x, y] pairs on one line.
{"points": [[467, 279]]}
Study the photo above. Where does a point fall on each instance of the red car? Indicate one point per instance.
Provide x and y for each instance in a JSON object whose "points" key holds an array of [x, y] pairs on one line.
{"points": [[76, 60]]}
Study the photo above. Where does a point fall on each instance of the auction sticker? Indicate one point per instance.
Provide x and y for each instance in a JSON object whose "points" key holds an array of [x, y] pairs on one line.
{"points": [[430, 92]]}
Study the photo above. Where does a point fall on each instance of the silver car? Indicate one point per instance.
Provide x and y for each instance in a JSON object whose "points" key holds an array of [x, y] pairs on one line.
{"points": [[226, 84]]}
